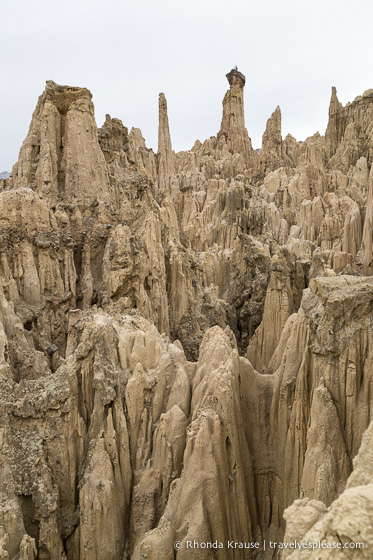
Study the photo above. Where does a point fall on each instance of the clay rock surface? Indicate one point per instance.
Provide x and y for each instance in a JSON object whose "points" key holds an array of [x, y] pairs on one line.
{"points": [[186, 348], [345, 528]]}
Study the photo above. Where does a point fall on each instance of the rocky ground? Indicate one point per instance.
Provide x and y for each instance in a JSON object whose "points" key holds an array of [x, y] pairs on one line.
{"points": [[186, 340]]}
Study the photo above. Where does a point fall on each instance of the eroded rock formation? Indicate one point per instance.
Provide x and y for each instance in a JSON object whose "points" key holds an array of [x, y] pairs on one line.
{"points": [[186, 340]]}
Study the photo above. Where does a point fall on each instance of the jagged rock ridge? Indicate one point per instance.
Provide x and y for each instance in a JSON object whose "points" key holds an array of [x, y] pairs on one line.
{"points": [[173, 324]]}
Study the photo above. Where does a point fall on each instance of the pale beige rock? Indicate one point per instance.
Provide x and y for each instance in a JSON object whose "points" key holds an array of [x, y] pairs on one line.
{"points": [[27, 549], [349, 132], [345, 530], [61, 149], [166, 167], [352, 234], [131, 263], [332, 135], [300, 517], [367, 239], [232, 129], [271, 156]]}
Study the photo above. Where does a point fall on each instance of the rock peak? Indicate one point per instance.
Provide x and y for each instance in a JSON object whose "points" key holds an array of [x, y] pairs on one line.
{"points": [[271, 156], [165, 154], [232, 130], [65, 159], [335, 105], [63, 97], [235, 77]]}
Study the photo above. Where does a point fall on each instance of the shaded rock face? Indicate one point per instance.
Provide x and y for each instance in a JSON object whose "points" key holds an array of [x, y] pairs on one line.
{"points": [[186, 348]]}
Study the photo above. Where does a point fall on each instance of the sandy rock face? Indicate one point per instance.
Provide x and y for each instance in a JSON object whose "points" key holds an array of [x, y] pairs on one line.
{"points": [[186, 349], [345, 529], [61, 149], [166, 167], [149, 436], [272, 154]]}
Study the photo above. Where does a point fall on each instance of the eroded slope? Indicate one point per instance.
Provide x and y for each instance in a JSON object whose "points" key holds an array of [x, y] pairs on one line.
{"points": [[185, 339]]}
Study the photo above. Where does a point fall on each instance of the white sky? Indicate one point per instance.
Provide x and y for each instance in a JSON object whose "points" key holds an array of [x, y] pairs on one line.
{"points": [[126, 52]]}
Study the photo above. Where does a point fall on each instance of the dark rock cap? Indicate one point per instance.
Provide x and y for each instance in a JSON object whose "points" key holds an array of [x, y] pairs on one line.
{"points": [[236, 77]]}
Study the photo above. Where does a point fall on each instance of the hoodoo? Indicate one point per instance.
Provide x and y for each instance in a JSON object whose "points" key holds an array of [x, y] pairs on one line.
{"points": [[233, 122], [166, 167]]}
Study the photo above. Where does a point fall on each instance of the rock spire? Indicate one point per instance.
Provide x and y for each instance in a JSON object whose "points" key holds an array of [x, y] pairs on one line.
{"points": [[271, 155], [233, 122], [166, 167], [332, 132], [61, 157]]}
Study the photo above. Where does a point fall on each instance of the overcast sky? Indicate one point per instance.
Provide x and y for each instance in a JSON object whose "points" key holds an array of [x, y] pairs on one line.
{"points": [[126, 52]]}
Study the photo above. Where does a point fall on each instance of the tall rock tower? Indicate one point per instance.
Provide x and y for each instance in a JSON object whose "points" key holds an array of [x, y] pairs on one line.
{"points": [[336, 125], [271, 156], [61, 158], [165, 156], [233, 121]]}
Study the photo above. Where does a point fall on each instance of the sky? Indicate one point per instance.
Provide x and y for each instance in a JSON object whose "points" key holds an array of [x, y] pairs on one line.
{"points": [[126, 52]]}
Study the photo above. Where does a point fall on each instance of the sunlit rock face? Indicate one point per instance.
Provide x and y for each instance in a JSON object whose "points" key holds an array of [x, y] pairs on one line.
{"points": [[186, 339]]}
